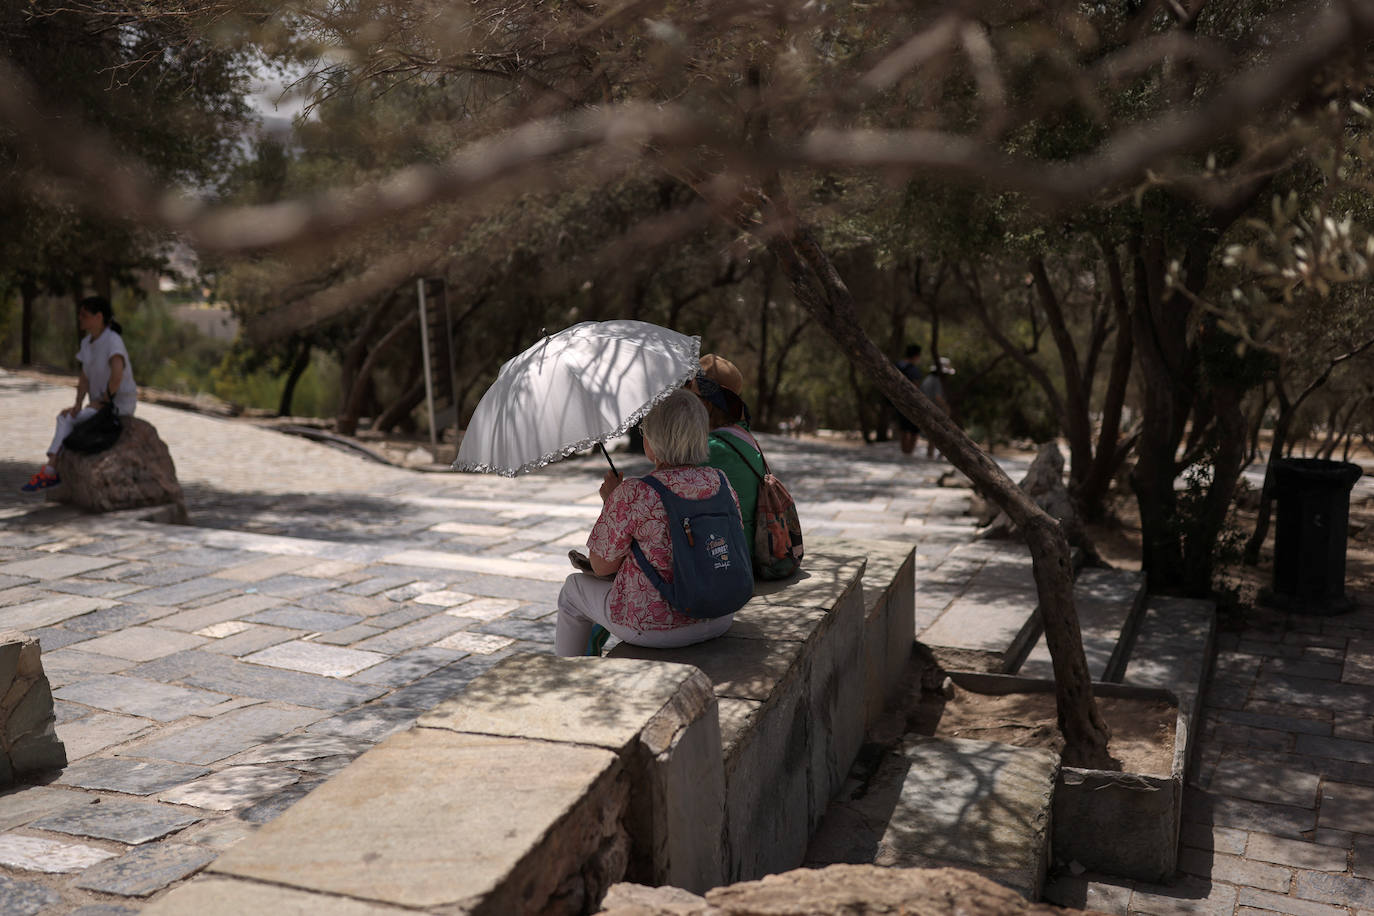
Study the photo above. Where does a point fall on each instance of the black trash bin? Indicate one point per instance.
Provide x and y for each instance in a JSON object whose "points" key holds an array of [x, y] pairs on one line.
{"points": [[1309, 541]]}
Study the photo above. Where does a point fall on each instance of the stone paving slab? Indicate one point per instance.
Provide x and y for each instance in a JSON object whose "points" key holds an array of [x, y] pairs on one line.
{"points": [[25, 898], [234, 787], [94, 733], [46, 611], [142, 644], [239, 607], [411, 666], [29, 853], [133, 777], [222, 736], [21, 804], [121, 821], [372, 723], [55, 566], [304, 619], [313, 658], [213, 672], [304, 746], [146, 870], [253, 638], [983, 631], [116, 618]]}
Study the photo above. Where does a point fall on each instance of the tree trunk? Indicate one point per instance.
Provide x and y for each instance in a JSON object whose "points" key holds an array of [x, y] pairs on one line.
{"points": [[1091, 494], [1200, 546], [1266, 500], [763, 407], [351, 378], [298, 367], [1253, 448], [1033, 369], [101, 282], [821, 291], [362, 385], [401, 407], [1077, 425], [862, 409], [28, 293], [1159, 325]]}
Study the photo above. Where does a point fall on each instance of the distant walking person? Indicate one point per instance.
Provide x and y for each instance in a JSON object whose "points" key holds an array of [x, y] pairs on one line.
{"points": [[933, 388], [910, 366], [105, 374]]}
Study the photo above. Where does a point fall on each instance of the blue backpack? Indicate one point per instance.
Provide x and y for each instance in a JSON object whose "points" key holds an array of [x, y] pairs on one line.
{"points": [[712, 567]]}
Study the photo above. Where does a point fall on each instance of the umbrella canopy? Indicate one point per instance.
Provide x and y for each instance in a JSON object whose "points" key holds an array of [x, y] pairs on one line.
{"points": [[574, 389]]}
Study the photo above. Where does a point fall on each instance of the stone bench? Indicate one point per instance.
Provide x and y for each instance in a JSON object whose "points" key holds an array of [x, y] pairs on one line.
{"points": [[28, 739], [548, 779], [792, 679], [543, 783], [136, 472], [889, 615]]}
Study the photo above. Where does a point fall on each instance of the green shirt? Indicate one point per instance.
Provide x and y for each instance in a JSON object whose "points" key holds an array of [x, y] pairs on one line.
{"points": [[743, 475]]}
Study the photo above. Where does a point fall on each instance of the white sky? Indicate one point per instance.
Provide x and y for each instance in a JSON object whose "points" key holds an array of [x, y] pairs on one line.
{"points": [[274, 111]]}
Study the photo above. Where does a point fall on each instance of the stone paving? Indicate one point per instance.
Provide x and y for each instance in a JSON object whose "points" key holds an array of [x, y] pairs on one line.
{"points": [[1280, 814], [208, 676]]}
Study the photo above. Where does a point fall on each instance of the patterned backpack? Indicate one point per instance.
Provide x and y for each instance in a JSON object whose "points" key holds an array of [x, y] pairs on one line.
{"points": [[777, 529]]}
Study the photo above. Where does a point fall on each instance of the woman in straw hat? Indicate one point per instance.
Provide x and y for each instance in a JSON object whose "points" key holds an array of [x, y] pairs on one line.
{"points": [[719, 384]]}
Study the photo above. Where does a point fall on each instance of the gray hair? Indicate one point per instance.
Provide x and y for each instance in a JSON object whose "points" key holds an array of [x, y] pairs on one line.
{"points": [[678, 428]]}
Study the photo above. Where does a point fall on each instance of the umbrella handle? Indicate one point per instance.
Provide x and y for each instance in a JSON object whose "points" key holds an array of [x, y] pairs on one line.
{"points": [[602, 446]]}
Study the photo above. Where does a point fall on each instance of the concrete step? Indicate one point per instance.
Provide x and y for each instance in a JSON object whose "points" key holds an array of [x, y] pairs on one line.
{"points": [[1173, 651], [934, 802], [1109, 602], [980, 604]]}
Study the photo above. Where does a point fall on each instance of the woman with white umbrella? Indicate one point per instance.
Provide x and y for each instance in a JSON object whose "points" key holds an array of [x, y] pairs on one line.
{"points": [[618, 597]]}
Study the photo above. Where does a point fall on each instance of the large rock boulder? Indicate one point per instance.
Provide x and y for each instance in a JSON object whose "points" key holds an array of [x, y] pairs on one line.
{"points": [[135, 473], [837, 890], [28, 738]]}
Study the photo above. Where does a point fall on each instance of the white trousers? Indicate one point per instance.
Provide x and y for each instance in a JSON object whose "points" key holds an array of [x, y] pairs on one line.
{"points": [[586, 600], [65, 423]]}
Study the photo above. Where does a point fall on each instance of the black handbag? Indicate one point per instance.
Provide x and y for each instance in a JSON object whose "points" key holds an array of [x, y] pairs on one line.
{"points": [[95, 433]]}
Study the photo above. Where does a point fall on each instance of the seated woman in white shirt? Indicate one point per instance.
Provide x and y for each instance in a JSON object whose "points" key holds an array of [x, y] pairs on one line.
{"points": [[105, 374]]}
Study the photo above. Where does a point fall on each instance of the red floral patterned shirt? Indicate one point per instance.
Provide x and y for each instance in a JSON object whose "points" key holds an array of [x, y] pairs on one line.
{"points": [[635, 512]]}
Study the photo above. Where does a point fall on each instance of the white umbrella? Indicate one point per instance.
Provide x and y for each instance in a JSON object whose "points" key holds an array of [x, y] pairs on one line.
{"points": [[572, 390]]}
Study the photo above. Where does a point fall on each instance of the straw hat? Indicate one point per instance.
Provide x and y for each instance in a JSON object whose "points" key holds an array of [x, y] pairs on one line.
{"points": [[723, 372], [729, 384]]}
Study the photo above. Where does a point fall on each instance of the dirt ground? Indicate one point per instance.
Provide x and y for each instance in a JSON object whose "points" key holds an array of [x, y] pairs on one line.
{"points": [[1142, 730]]}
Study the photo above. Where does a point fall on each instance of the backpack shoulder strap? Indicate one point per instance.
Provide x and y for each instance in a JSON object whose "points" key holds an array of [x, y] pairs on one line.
{"points": [[724, 438], [658, 487]]}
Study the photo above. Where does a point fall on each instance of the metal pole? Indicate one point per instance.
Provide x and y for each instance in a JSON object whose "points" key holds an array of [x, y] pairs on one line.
{"points": [[424, 347]]}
